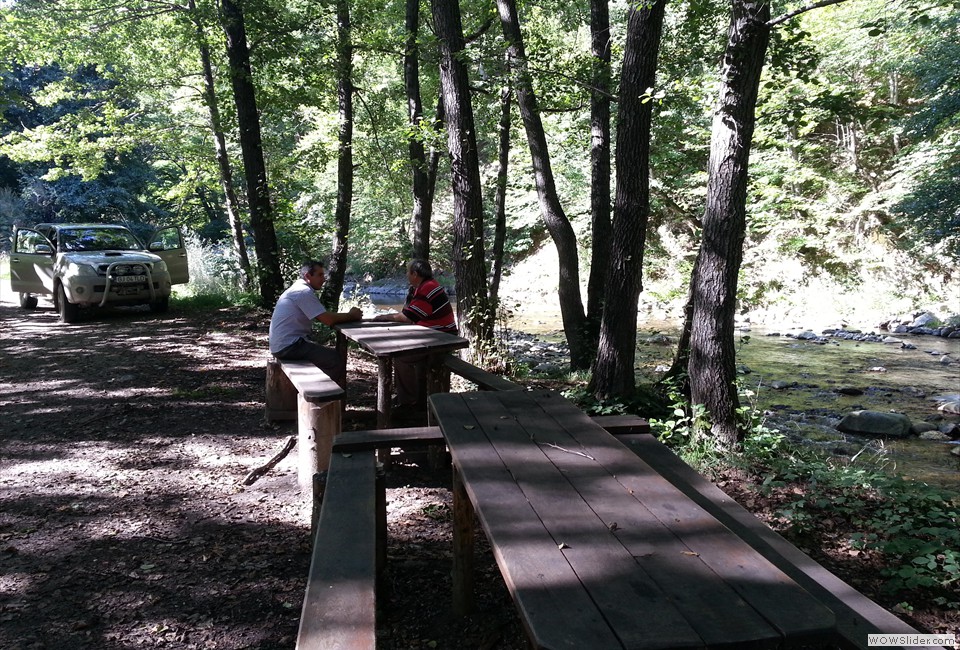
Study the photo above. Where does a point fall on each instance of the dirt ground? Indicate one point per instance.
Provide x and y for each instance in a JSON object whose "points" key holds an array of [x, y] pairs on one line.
{"points": [[124, 522]]}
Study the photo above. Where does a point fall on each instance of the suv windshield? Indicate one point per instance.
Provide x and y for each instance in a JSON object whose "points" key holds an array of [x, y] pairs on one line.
{"points": [[97, 239]]}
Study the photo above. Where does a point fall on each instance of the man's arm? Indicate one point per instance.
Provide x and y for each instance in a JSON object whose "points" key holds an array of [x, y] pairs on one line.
{"points": [[397, 317], [330, 318]]}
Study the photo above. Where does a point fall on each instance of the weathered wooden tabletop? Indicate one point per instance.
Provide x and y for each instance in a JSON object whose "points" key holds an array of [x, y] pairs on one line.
{"points": [[387, 341], [596, 548]]}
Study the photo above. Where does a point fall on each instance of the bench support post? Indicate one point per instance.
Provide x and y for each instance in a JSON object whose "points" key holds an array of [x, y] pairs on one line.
{"points": [[281, 398], [317, 425]]}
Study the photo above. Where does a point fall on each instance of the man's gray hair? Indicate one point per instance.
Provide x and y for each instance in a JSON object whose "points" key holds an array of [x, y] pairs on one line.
{"points": [[310, 265], [421, 268]]}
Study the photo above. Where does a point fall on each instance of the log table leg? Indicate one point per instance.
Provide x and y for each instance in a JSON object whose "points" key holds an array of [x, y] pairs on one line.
{"points": [[462, 548], [384, 404]]}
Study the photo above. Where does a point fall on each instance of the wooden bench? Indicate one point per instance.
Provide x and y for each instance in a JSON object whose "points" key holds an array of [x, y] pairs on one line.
{"points": [[349, 552], [857, 616], [298, 390], [483, 379]]}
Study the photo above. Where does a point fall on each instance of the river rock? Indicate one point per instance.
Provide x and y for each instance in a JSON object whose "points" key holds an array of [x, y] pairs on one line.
{"points": [[920, 428], [875, 423], [955, 451], [934, 435], [925, 319], [850, 390]]}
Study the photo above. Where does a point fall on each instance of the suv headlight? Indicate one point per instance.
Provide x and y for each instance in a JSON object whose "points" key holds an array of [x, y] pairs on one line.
{"points": [[160, 267], [83, 270]]}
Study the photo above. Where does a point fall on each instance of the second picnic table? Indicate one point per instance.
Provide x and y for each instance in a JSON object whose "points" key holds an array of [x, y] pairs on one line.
{"points": [[387, 341], [597, 549]]}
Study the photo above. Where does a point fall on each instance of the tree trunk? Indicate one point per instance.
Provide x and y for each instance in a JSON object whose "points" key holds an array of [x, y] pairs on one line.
{"points": [[599, 166], [571, 305], [223, 161], [500, 200], [251, 146], [422, 194], [338, 259], [613, 372], [712, 369], [473, 310]]}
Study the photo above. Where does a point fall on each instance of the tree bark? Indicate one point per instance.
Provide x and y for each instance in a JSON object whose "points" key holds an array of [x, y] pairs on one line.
{"points": [[712, 368], [231, 205], [613, 372], [473, 309], [251, 146], [422, 192], [571, 304], [333, 287], [599, 166]]}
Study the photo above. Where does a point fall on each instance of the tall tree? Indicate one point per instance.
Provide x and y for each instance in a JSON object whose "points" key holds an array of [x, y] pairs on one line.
{"points": [[473, 309], [561, 231], [613, 372], [713, 286], [338, 260], [251, 146], [231, 205], [599, 165], [500, 197], [422, 194]]}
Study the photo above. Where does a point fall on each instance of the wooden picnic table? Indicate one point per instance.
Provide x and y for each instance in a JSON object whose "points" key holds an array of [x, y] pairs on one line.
{"points": [[596, 548], [387, 341]]}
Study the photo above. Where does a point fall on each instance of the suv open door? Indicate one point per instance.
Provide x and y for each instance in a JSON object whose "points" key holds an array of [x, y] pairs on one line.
{"points": [[167, 242], [31, 265]]}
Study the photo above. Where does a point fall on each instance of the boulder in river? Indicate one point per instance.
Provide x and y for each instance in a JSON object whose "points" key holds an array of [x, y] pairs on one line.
{"points": [[876, 423]]}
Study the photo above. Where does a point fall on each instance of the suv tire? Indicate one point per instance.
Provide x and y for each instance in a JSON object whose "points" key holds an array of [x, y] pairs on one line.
{"points": [[161, 306], [28, 301], [69, 312]]}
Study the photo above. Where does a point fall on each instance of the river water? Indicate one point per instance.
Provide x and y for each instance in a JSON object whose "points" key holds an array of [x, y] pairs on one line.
{"points": [[797, 385]]}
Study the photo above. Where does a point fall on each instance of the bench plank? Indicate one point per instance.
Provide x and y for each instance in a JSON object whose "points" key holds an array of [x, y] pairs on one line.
{"points": [[485, 380], [621, 425], [617, 425], [857, 615], [385, 438], [339, 607], [312, 383]]}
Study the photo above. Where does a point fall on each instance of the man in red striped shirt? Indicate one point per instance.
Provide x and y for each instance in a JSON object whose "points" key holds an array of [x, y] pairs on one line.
{"points": [[427, 304]]}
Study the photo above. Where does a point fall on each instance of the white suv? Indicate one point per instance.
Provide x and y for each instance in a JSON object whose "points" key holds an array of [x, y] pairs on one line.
{"points": [[85, 265]]}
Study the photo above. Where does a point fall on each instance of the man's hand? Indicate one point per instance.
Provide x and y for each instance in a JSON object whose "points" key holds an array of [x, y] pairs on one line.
{"points": [[355, 313]]}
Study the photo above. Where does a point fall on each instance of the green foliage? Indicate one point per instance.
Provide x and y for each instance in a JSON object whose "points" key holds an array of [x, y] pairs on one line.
{"points": [[646, 400], [914, 524]]}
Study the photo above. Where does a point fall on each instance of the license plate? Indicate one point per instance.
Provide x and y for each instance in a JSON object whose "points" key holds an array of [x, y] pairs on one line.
{"points": [[130, 279]]}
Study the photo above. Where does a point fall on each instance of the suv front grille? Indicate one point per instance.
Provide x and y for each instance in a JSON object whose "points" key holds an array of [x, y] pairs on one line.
{"points": [[124, 269]]}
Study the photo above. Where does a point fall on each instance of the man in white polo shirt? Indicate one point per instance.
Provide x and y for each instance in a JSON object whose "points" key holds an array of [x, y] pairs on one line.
{"points": [[293, 318]]}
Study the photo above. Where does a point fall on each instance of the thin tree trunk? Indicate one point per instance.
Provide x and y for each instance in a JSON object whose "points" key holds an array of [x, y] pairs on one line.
{"points": [[599, 166], [251, 146], [571, 304], [473, 310], [422, 194], [712, 368], [223, 161], [338, 259], [500, 200], [613, 371]]}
